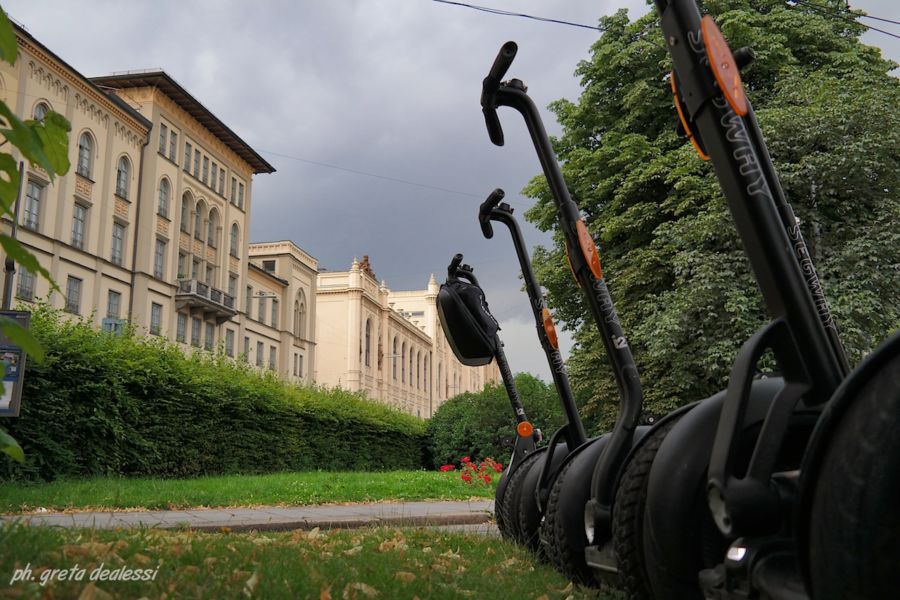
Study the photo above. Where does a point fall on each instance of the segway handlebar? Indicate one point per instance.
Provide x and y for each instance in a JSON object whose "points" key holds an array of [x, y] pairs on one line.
{"points": [[484, 211], [489, 87]]}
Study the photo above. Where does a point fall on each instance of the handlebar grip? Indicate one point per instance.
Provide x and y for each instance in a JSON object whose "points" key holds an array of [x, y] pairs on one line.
{"points": [[484, 211], [495, 131], [501, 64], [454, 264]]}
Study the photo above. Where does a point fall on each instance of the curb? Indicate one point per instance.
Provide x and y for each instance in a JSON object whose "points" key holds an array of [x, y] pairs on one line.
{"points": [[420, 521]]}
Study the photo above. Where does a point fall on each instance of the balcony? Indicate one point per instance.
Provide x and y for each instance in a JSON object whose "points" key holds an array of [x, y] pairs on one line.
{"points": [[204, 301]]}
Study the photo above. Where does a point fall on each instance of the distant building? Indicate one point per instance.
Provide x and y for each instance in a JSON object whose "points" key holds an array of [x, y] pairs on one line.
{"points": [[150, 225], [388, 344]]}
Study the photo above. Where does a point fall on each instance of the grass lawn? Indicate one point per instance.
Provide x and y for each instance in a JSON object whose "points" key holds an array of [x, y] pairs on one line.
{"points": [[346, 564], [239, 490]]}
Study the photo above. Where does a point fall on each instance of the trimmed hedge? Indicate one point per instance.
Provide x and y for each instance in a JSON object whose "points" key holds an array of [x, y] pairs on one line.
{"points": [[127, 405], [476, 424]]}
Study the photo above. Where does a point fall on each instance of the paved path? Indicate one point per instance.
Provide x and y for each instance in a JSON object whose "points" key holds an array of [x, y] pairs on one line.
{"points": [[395, 514]]}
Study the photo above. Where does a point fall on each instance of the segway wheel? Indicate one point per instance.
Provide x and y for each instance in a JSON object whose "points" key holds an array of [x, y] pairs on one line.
{"points": [[854, 539], [628, 514], [563, 537], [509, 505]]}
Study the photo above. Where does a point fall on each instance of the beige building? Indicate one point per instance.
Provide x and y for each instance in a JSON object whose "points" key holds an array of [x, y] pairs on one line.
{"points": [[388, 344], [150, 224]]}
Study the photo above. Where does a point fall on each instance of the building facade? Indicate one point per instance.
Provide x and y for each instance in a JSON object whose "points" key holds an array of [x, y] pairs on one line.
{"points": [[151, 223], [388, 344]]}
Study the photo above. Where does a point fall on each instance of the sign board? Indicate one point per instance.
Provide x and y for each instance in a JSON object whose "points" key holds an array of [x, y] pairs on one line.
{"points": [[12, 366]]}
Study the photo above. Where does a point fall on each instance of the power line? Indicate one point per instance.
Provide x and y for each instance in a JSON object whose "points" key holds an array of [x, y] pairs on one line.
{"points": [[844, 16], [507, 13]]}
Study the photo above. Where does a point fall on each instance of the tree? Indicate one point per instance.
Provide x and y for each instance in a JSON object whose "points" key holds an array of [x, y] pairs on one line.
{"points": [[682, 285], [44, 144]]}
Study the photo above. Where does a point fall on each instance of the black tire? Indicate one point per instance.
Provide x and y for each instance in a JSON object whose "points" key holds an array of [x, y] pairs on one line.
{"points": [[854, 533], [510, 502], [529, 513], [563, 539], [502, 522], [628, 515]]}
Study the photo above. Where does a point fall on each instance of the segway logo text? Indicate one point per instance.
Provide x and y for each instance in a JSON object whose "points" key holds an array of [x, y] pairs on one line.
{"points": [[605, 302], [812, 279]]}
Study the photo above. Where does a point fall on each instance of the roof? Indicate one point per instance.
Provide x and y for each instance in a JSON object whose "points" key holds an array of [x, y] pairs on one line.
{"points": [[269, 274], [164, 82], [121, 104]]}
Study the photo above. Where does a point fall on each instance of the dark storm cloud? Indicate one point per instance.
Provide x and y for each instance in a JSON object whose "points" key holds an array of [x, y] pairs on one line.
{"points": [[388, 87]]}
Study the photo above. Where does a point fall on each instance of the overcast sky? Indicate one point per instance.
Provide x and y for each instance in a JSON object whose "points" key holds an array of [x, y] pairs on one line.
{"points": [[386, 87]]}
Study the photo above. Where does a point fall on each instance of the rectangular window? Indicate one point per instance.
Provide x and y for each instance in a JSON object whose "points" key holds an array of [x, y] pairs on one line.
{"points": [[173, 145], [273, 357], [187, 156], [210, 340], [214, 176], [117, 255], [295, 363], [159, 259], [195, 269], [274, 312], [205, 169], [195, 332], [113, 304], [229, 342], [260, 349], [240, 195], [222, 182], [163, 138], [181, 326], [79, 219], [246, 348], [300, 366], [182, 260], [232, 284], [73, 295], [261, 315], [155, 318], [209, 275], [233, 190], [197, 164], [248, 299], [33, 196], [25, 287]]}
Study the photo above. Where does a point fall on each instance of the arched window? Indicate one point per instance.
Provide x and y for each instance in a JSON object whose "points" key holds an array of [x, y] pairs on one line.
{"points": [[300, 315], [439, 380], [410, 366], [212, 225], [425, 375], [403, 362], [186, 203], [198, 220], [394, 359], [368, 342], [123, 176], [235, 234], [164, 197], [418, 370], [85, 155], [40, 111]]}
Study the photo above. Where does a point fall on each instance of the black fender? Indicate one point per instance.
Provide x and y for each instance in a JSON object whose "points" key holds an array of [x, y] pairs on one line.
{"points": [[676, 489], [831, 415]]}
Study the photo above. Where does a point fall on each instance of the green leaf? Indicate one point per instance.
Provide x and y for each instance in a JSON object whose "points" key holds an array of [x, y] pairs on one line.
{"points": [[22, 338], [53, 131], [10, 446], [25, 138], [28, 260], [9, 182], [9, 49]]}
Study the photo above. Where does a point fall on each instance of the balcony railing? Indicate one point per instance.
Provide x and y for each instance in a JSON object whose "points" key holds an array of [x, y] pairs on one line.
{"points": [[211, 302]]}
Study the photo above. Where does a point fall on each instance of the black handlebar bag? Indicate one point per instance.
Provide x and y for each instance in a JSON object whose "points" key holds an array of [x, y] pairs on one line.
{"points": [[468, 324]]}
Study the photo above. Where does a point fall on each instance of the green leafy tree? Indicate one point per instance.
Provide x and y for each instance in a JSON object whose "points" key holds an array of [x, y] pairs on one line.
{"points": [[686, 296], [475, 424], [44, 144]]}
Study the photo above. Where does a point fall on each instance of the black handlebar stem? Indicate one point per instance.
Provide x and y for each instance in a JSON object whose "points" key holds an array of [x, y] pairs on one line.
{"points": [[484, 211]]}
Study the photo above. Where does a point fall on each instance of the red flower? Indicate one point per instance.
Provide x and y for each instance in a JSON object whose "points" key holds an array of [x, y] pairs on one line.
{"points": [[498, 467], [487, 478], [465, 459], [445, 468], [467, 478]]}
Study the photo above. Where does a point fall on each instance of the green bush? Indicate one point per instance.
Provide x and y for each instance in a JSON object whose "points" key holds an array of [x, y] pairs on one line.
{"points": [[127, 405], [475, 424]]}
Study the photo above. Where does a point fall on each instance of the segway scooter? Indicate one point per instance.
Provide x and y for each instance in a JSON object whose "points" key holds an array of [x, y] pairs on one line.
{"points": [[578, 510], [530, 485], [788, 500], [471, 331]]}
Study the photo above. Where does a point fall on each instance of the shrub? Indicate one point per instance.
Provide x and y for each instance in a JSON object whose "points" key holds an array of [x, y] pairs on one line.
{"points": [[476, 424], [125, 405]]}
